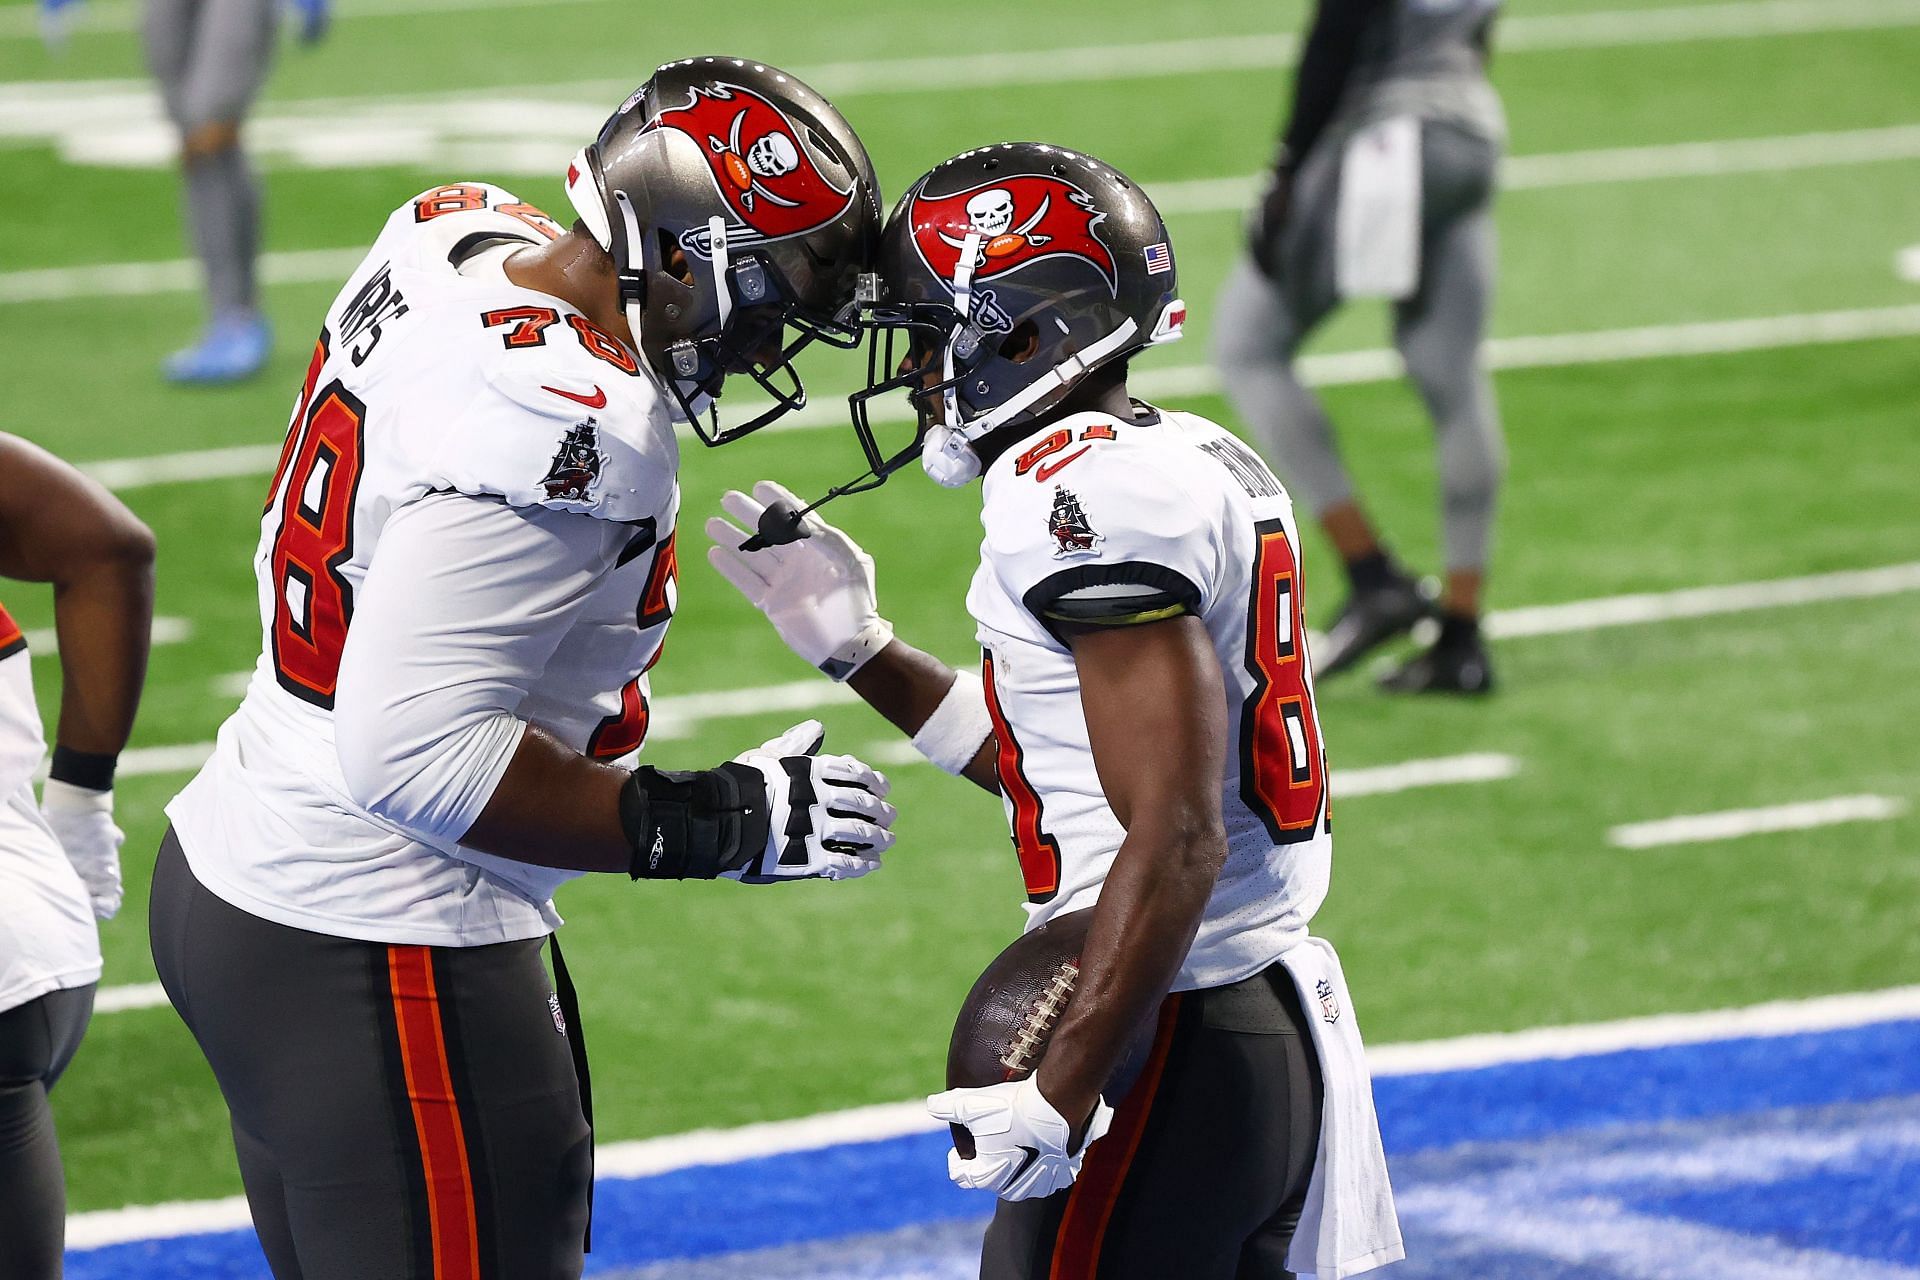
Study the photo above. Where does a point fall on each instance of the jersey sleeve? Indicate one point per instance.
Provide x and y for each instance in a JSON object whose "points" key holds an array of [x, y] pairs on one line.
{"points": [[1111, 539], [565, 436], [426, 717]]}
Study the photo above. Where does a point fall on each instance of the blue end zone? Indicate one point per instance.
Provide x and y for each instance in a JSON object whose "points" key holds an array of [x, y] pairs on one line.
{"points": [[1776, 1157]]}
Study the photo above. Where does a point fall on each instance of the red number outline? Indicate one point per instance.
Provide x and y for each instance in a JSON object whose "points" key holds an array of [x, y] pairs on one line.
{"points": [[1039, 852], [1286, 787], [530, 325], [313, 543]]}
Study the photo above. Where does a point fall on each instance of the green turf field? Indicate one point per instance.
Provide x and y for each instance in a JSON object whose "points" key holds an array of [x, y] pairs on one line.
{"points": [[1458, 908]]}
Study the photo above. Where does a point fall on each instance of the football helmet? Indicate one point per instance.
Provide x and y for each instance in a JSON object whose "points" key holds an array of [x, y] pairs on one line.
{"points": [[736, 203], [1009, 273]]}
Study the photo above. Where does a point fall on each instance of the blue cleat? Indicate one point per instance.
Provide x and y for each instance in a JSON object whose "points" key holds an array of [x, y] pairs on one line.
{"points": [[232, 349]]}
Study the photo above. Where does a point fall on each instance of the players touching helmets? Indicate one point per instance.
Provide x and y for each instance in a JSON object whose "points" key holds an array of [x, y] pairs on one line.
{"points": [[1145, 709], [466, 568]]}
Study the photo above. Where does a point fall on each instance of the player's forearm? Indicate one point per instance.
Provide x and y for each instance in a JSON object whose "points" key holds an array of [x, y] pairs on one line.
{"points": [[906, 685], [554, 807], [103, 612], [1143, 926]]}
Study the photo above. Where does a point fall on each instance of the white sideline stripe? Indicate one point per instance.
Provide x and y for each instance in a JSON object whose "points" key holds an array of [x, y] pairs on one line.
{"points": [[1719, 158], [1731, 824], [43, 641], [1702, 602], [1441, 771], [1340, 368], [891, 1120], [1203, 195], [132, 995], [100, 16]]}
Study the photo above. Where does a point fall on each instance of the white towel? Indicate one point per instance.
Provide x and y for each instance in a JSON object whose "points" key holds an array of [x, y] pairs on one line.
{"points": [[1348, 1224], [1377, 226]]}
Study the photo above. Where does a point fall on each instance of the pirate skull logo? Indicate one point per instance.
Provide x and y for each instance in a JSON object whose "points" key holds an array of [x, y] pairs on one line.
{"points": [[772, 155], [990, 213]]}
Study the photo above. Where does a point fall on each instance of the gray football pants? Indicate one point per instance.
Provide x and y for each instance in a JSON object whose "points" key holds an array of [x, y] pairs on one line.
{"points": [[1260, 324], [210, 58], [37, 1041]]}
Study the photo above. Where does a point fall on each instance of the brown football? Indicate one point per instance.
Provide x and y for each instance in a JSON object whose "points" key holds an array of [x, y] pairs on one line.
{"points": [[1008, 1017]]}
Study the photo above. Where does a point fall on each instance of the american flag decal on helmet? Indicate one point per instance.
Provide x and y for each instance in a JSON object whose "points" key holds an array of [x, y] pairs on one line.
{"points": [[1159, 258]]}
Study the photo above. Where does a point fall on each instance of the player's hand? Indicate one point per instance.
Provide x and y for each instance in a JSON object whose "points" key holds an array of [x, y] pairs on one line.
{"points": [[1268, 221], [817, 591], [829, 816], [1020, 1143], [82, 821]]}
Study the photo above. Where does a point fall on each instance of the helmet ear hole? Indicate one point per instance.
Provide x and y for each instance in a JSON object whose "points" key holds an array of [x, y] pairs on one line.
{"points": [[673, 259], [1022, 344]]}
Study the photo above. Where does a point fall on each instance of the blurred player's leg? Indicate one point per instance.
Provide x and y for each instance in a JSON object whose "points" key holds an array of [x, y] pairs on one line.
{"points": [[1439, 332], [1205, 1170], [438, 1118], [210, 57], [37, 1041], [1260, 325]]}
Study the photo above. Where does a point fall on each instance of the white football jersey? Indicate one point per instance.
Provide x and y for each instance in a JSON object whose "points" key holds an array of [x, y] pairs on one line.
{"points": [[48, 941], [1104, 519], [473, 516]]}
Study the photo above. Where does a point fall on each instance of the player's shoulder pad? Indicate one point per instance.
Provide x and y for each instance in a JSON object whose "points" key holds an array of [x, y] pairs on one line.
{"points": [[567, 432], [448, 222], [1099, 521]]}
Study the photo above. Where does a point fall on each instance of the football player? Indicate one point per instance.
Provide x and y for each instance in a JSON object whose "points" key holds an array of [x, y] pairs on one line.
{"points": [[59, 858], [1145, 710], [1383, 187], [465, 568]]}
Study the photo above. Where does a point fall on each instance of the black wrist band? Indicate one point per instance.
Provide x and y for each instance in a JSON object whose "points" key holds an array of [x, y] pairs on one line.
{"points": [[693, 826], [83, 769]]}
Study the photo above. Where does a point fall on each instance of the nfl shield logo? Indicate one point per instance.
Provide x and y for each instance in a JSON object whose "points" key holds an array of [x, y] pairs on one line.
{"points": [[1329, 1007]]}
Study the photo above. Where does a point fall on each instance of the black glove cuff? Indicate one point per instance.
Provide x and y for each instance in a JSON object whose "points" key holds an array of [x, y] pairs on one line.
{"points": [[693, 826], [83, 768]]}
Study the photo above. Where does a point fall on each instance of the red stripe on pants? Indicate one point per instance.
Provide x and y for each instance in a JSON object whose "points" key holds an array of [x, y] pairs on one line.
{"points": [[436, 1117], [1083, 1228]]}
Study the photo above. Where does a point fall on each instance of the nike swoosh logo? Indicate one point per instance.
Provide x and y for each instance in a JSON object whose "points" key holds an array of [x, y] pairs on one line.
{"points": [[598, 400], [1046, 472]]}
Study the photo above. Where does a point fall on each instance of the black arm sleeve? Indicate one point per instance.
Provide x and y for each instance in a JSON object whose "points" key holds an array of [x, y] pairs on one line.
{"points": [[1326, 62]]}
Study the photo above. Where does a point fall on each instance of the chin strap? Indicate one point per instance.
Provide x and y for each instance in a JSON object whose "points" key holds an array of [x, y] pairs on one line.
{"points": [[630, 269], [945, 455]]}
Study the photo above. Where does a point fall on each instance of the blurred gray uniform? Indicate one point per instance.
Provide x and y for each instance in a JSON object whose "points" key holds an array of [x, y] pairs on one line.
{"points": [[1367, 62], [210, 58]]}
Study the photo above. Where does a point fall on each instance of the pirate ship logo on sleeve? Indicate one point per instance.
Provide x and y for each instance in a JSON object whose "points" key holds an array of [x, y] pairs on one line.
{"points": [[1067, 522], [576, 467], [758, 166]]}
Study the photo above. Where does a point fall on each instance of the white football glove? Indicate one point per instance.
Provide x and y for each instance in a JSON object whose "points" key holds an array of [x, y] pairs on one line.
{"points": [[830, 818], [1019, 1140], [816, 591], [82, 821]]}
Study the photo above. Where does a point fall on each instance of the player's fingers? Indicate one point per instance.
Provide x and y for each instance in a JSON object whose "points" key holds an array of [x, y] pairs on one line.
{"points": [[855, 834], [982, 1173], [768, 492], [845, 866], [852, 802], [851, 771], [742, 508], [738, 569], [802, 739]]}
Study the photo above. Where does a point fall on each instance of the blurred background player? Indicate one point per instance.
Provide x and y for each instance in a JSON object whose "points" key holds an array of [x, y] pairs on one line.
{"points": [[60, 858], [1145, 711], [1383, 188], [210, 58], [465, 570]]}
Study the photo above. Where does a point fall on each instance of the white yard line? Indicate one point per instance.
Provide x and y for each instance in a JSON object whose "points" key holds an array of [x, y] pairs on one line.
{"points": [[132, 995], [1732, 824], [1703, 602], [1440, 771], [1605, 346], [897, 1119], [1718, 158], [22, 20], [43, 642], [1205, 195], [1906, 264]]}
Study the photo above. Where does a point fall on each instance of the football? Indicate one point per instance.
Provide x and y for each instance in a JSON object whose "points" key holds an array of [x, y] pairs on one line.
{"points": [[1008, 1017]]}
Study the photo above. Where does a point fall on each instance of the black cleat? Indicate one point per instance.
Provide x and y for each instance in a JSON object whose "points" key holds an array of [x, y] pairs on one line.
{"points": [[1450, 666], [1370, 617]]}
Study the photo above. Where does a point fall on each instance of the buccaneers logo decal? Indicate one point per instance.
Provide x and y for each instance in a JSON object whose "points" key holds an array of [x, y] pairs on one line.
{"points": [[758, 164], [1019, 220], [1067, 522]]}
